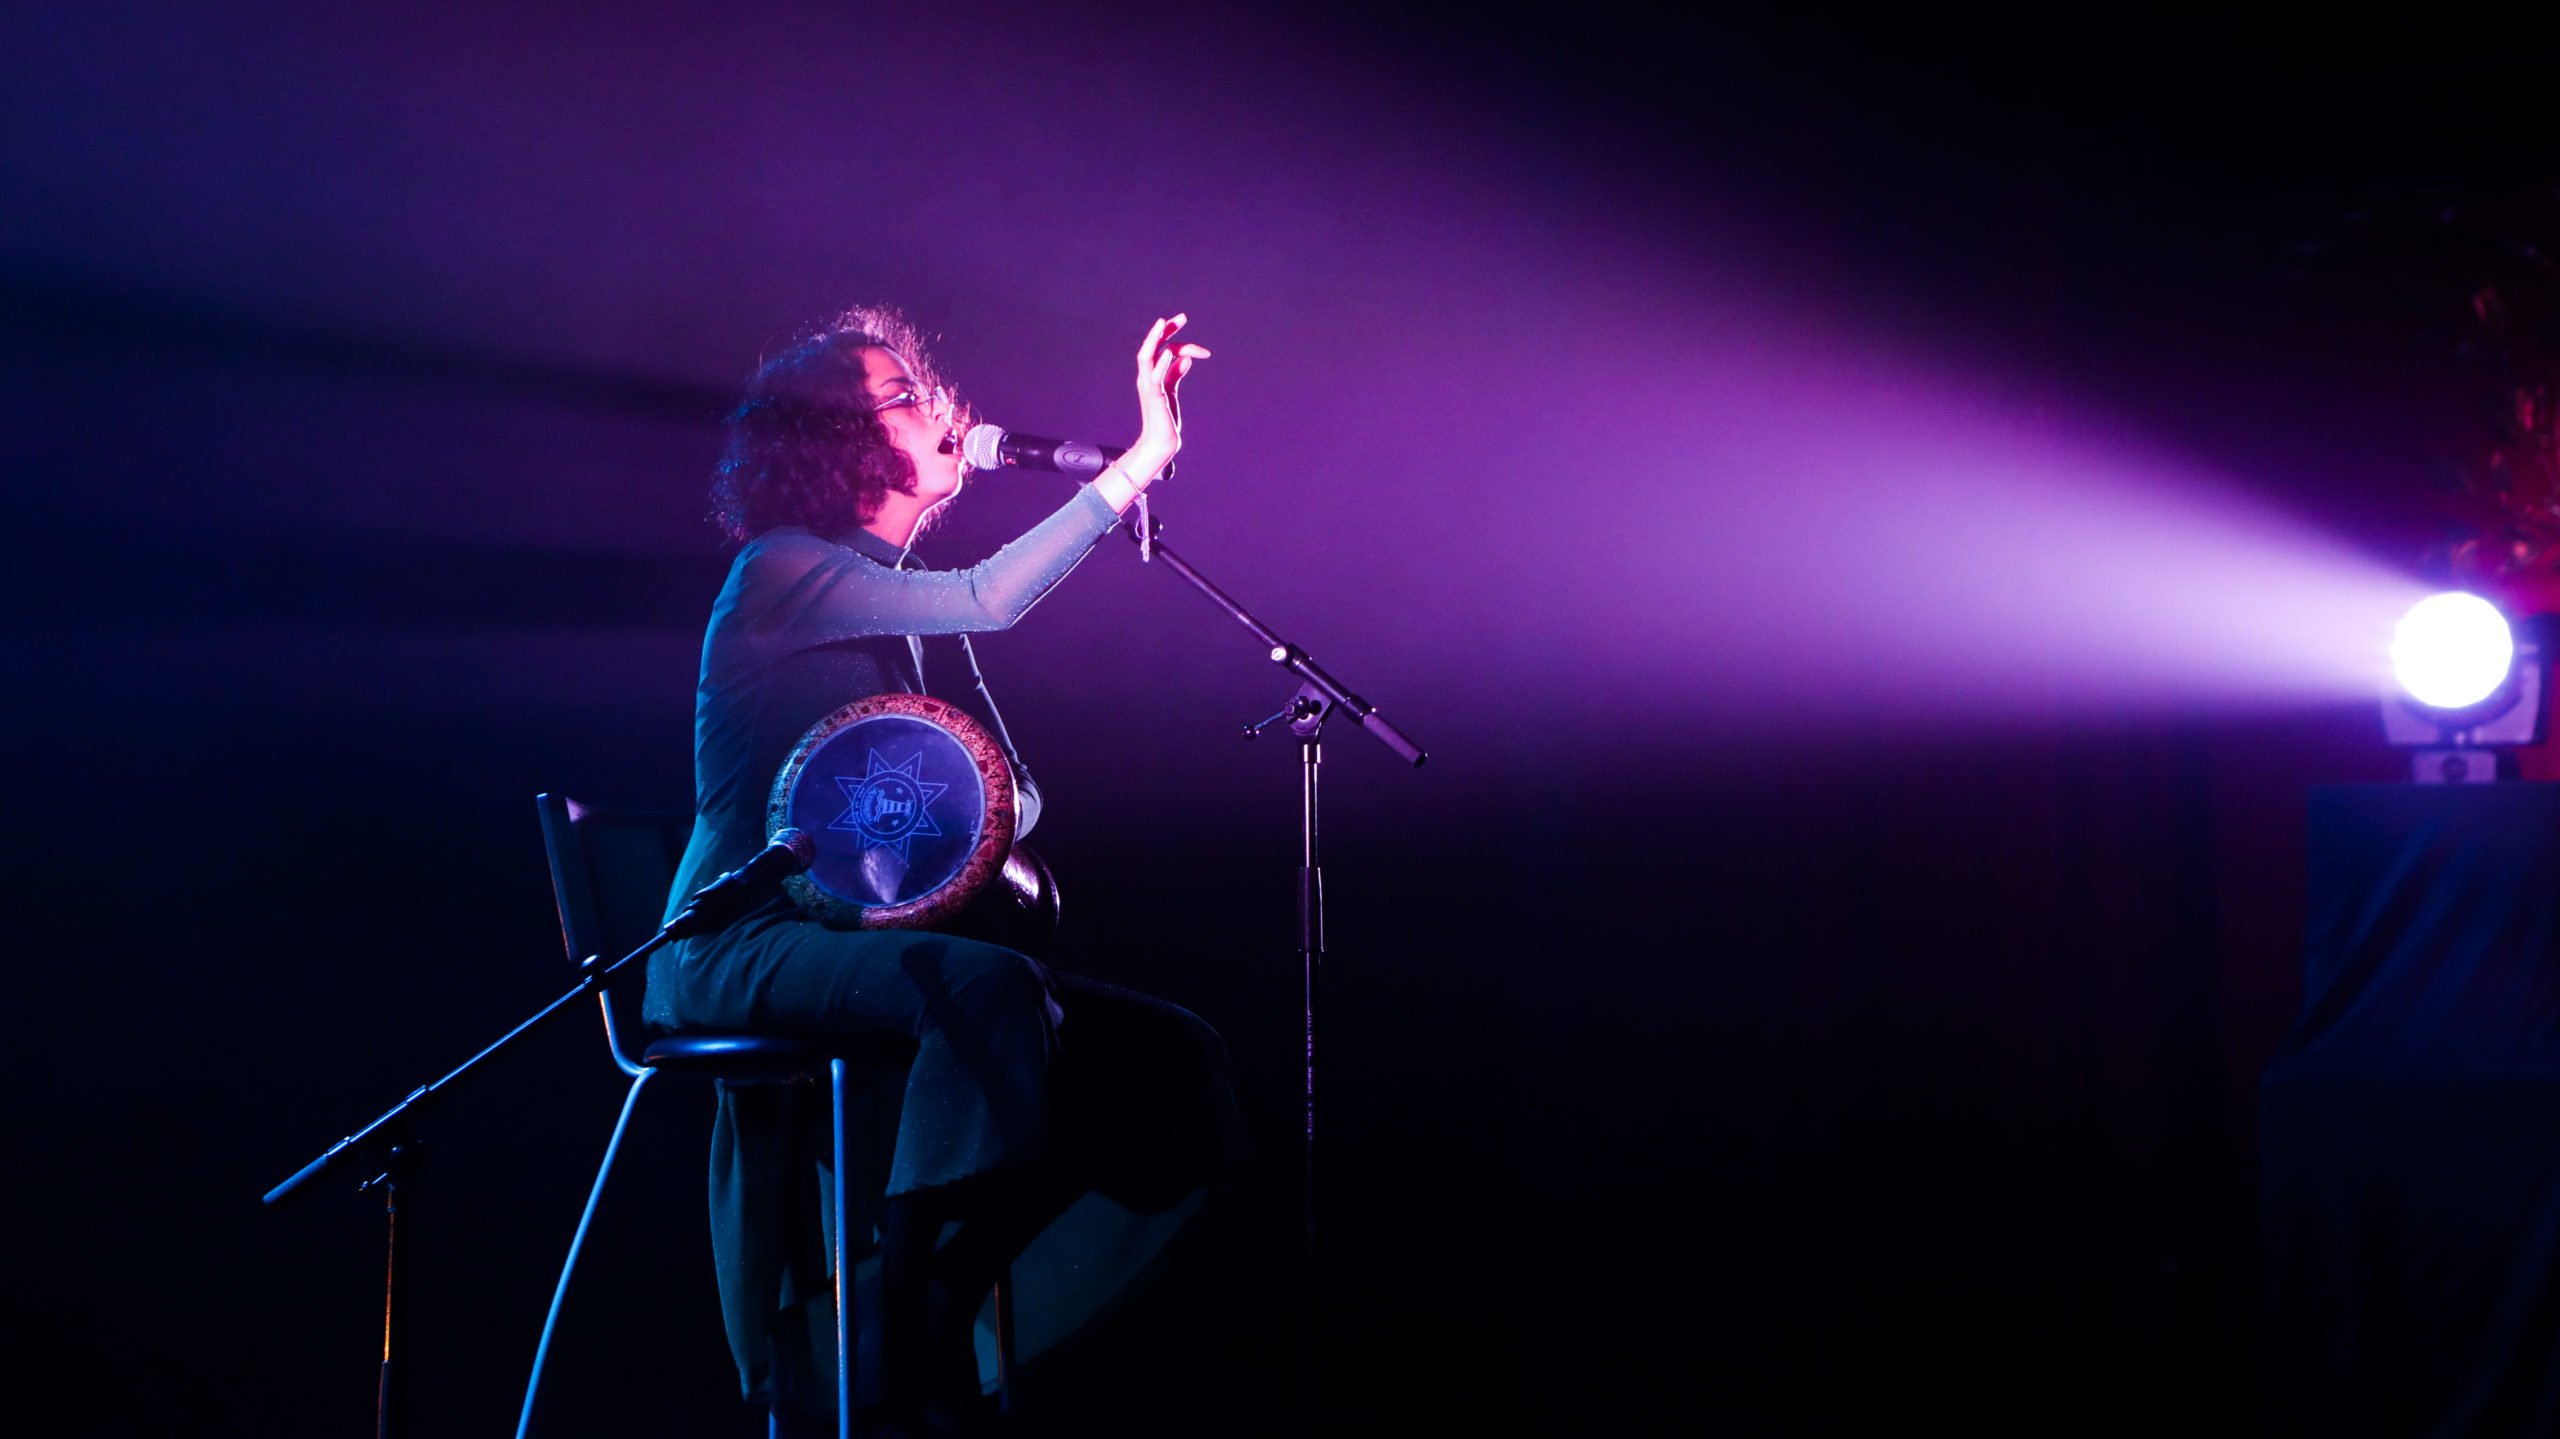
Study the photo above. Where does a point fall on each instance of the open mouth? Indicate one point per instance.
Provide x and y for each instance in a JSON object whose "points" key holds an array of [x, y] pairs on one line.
{"points": [[950, 443]]}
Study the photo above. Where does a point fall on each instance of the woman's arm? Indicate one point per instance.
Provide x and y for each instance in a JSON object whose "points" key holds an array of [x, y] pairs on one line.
{"points": [[817, 592], [814, 592]]}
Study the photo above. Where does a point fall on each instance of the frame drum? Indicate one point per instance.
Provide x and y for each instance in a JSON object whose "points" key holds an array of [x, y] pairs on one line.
{"points": [[911, 803]]}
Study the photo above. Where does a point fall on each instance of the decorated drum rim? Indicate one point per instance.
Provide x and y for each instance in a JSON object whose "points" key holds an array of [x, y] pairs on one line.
{"points": [[995, 839]]}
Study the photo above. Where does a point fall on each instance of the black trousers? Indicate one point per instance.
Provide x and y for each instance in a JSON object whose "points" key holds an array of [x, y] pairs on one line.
{"points": [[1016, 1065]]}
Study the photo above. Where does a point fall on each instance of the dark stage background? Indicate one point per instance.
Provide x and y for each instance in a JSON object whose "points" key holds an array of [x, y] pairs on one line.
{"points": [[1709, 1045]]}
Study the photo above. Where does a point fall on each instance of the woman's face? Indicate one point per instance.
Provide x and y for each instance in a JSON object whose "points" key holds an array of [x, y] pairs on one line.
{"points": [[918, 422]]}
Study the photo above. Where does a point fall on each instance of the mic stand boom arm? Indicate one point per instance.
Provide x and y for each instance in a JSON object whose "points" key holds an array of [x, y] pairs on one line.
{"points": [[696, 917], [1332, 691], [390, 1127]]}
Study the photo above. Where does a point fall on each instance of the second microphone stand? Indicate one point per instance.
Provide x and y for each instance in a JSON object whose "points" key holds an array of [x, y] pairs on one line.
{"points": [[391, 1140]]}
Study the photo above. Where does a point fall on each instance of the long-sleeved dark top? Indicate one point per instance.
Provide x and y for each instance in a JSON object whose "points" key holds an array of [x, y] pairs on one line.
{"points": [[806, 625]]}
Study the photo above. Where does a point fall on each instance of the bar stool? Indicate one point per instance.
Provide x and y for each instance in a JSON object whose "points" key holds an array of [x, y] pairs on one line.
{"points": [[610, 872]]}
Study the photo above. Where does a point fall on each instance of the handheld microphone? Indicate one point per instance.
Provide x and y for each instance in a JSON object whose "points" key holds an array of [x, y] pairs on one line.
{"points": [[992, 447], [722, 900]]}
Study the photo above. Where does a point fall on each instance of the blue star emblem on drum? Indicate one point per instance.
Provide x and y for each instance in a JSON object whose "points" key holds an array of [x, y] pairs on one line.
{"points": [[889, 805], [911, 803]]}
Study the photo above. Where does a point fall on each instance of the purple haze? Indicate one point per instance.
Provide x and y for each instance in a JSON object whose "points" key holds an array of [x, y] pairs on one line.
{"points": [[1481, 431]]}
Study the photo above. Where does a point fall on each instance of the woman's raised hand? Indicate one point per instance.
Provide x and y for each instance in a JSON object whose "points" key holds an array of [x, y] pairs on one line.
{"points": [[1161, 366]]}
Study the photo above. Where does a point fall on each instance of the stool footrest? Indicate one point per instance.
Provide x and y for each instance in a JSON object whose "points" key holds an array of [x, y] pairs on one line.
{"points": [[751, 1054]]}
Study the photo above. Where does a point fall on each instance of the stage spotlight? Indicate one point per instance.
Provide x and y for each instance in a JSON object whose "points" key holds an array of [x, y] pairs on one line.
{"points": [[2468, 687], [2451, 651]]}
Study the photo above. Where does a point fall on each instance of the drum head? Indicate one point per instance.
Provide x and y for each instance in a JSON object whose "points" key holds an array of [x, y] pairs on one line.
{"points": [[911, 803]]}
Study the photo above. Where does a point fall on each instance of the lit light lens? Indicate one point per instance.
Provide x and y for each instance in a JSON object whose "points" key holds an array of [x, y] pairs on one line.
{"points": [[2452, 651]]}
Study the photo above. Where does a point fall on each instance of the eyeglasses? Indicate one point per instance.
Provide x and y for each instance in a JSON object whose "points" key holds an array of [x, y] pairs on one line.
{"points": [[933, 401]]}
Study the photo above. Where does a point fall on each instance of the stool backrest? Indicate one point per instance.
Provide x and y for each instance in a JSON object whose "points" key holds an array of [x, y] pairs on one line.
{"points": [[610, 872]]}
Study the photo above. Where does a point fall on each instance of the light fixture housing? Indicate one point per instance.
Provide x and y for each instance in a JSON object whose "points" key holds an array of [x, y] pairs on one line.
{"points": [[2465, 684]]}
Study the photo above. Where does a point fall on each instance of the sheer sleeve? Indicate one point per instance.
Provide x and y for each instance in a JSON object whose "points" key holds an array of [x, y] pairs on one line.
{"points": [[809, 591]]}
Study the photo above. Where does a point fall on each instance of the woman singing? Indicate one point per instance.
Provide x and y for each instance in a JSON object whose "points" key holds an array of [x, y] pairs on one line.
{"points": [[1032, 1091]]}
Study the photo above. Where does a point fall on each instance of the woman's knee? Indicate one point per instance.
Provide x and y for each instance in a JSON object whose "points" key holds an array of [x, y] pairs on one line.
{"points": [[1142, 1021], [982, 981]]}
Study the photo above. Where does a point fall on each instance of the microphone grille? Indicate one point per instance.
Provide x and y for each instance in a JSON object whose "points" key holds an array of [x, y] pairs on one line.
{"points": [[803, 848], [983, 447]]}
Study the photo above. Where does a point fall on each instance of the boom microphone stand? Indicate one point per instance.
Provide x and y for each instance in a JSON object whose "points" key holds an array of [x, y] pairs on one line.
{"points": [[389, 1141], [1320, 696]]}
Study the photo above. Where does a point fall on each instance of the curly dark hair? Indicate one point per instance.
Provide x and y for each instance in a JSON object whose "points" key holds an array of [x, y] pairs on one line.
{"points": [[804, 447]]}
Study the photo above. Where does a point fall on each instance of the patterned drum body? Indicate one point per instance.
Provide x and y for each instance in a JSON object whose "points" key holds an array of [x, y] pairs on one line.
{"points": [[911, 803]]}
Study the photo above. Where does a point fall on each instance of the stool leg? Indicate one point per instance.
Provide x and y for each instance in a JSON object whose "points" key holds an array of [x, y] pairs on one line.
{"points": [[542, 1351], [844, 1271]]}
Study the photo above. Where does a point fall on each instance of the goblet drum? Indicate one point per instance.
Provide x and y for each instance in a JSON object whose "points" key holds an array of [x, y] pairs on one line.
{"points": [[911, 803]]}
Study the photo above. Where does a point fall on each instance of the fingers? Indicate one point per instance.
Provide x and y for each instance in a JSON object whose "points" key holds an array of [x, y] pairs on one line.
{"points": [[1157, 334], [1162, 364], [1162, 331]]}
